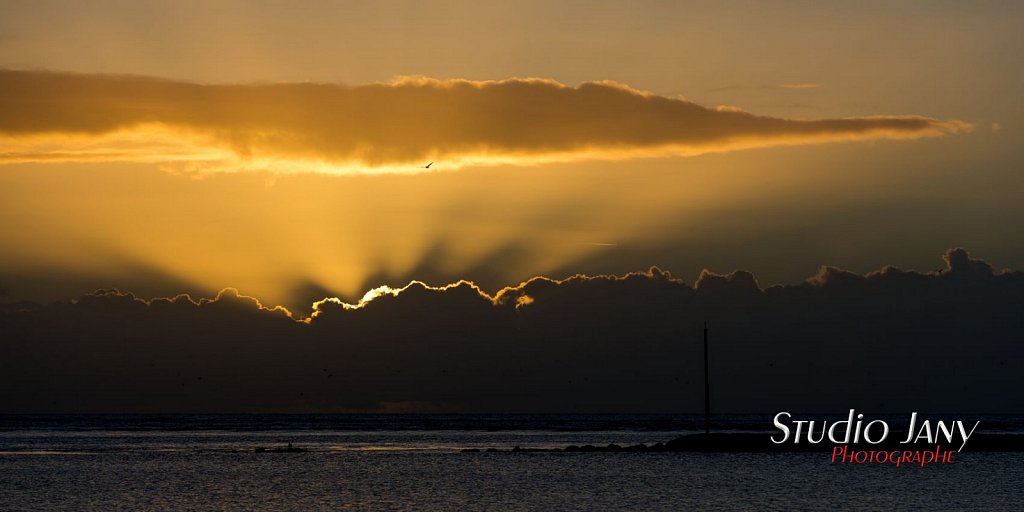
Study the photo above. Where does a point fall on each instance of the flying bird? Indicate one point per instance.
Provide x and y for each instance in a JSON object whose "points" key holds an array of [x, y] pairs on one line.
{"points": [[428, 165]]}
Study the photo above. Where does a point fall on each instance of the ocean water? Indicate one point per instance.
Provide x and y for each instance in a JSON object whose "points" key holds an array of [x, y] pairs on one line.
{"points": [[415, 462]]}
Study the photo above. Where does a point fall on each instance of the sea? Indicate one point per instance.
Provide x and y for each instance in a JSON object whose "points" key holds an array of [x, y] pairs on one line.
{"points": [[419, 462]]}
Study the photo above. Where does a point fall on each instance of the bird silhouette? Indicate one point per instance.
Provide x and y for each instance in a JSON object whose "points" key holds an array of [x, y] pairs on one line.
{"points": [[428, 165]]}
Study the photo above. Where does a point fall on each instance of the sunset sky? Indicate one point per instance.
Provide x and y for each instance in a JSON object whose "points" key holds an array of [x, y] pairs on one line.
{"points": [[185, 147]]}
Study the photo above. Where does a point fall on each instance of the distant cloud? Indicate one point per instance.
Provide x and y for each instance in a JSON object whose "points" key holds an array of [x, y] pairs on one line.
{"points": [[886, 341], [800, 86], [754, 87], [392, 127]]}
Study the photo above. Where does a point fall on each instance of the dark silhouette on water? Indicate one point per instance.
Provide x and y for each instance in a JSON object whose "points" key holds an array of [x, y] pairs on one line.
{"points": [[761, 443], [285, 449]]}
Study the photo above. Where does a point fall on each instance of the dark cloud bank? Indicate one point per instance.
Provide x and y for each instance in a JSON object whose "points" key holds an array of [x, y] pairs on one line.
{"points": [[888, 341]]}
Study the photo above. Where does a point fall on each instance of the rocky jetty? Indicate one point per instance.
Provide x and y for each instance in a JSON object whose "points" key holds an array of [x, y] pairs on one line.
{"points": [[759, 443]]}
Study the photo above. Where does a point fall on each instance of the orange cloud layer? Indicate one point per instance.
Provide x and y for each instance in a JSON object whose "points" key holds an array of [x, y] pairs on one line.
{"points": [[50, 116]]}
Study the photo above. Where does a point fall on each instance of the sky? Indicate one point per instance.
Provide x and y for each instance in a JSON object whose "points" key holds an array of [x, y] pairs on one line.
{"points": [[281, 149]]}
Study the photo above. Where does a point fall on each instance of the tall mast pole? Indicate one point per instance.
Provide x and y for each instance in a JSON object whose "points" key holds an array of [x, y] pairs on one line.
{"points": [[707, 389]]}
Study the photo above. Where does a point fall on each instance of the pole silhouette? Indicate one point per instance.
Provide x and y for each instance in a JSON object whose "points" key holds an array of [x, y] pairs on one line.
{"points": [[707, 389]]}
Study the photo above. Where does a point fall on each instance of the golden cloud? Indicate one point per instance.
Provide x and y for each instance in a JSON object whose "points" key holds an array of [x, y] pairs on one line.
{"points": [[386, 127]]}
